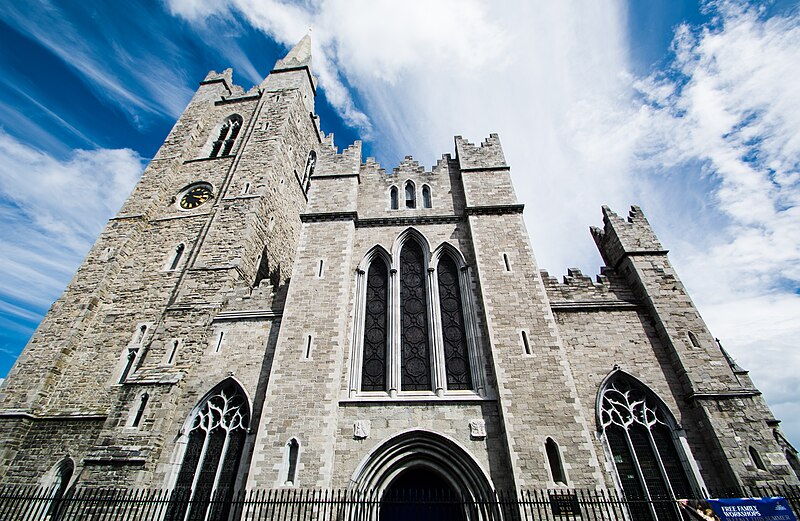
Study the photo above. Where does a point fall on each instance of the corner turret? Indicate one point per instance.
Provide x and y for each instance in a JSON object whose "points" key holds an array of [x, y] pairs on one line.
{"points": [[620, 237]]}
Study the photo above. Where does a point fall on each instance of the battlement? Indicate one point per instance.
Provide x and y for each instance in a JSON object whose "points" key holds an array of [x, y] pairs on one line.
{"points": [[620, 237], [577, 288], [489, 155], [332, 163]]}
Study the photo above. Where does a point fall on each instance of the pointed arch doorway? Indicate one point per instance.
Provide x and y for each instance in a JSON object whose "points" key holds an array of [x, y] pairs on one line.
{"points": [[421, 493], [420, 474]]}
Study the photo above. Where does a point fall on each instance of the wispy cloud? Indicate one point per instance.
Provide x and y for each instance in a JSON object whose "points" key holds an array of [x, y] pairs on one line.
{"points": [[52, 211], [728, 112], [140, 81]]}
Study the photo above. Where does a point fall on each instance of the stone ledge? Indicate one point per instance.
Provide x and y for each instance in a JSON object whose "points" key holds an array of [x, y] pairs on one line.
{"points": [[597, 305], [498, 209], [251, 314]]}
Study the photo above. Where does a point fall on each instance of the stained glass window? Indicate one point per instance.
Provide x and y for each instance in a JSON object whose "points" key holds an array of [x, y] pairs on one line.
{"points": [[415, 362], [640, 437], [373, 369], [456, 358], [211, 460]]}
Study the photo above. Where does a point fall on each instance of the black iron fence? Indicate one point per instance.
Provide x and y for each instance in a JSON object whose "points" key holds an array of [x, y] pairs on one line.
{"points": [[30, 503]]}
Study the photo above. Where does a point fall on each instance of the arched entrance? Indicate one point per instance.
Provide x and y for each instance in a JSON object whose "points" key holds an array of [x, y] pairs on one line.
{"points": [[421, 493], [419, 474]]}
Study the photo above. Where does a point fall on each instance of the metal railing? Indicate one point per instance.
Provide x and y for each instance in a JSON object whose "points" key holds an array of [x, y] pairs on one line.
{"points": [[26, 503]]}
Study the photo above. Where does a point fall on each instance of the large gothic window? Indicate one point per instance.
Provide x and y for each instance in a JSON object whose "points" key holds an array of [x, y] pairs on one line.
{"points": [[641, 435], [228, 132], [415, 328], [454, 337], [415, 356], [216, 437], [373, 377]]}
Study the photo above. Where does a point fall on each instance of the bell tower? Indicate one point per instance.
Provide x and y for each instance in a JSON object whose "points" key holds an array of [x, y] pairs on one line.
{"points": [[181, 294]]}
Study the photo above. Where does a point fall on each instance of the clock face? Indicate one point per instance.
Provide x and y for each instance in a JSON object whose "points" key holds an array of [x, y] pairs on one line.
{"points": [[195, 196]]}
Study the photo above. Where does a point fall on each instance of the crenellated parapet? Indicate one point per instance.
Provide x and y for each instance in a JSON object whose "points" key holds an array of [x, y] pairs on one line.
{"points": [[579, 291], [489, 155], [620, 237]]}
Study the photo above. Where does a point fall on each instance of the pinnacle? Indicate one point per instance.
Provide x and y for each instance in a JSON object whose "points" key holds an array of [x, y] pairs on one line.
{"points": [[299, 56]]}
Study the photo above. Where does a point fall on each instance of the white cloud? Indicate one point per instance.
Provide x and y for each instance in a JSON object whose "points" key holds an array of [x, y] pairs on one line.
{"points": [[52, 211], [138, 82], [731, 104]]}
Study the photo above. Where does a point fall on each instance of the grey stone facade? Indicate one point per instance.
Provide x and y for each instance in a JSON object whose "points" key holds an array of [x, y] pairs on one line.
{"points": [[268, 292]]}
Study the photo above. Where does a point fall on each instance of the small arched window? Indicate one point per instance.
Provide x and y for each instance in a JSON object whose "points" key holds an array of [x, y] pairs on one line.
{"points": [[756, 457], [137, 419], [311, 163], [228, 132], [411, 195], [393, 201], [426, 196], [176, 257], [293, 456], [263, 268], [130, 358], [61, 479], [554, 459], [693, 339]]}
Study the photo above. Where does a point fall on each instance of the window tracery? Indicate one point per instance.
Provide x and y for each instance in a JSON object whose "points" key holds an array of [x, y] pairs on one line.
{"points": [[456, 358], [228, 132], [416, 369], [640, 434], [216, 437], [373, 377], [415, 329]]}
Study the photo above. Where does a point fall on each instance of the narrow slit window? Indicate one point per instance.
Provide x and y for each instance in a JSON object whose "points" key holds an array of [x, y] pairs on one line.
{"points": [[246, 189], [506, 262], [525, 343], [693, 339], [756, 457], [554, 459], [176, 258], [128, 365], [140, 411], [293, 448], [308, 347], [263, 267], [411, 195], [393, 204], [426, 196], [219, 341], [173, 352], [319, 272], [140, 333]]}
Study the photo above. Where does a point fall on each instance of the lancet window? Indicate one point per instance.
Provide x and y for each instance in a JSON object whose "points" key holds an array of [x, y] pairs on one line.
{"points": [[411, 195], [311, 163], [228, 132], [415, 330], [393, 204], [214, 440], [641, 434]]}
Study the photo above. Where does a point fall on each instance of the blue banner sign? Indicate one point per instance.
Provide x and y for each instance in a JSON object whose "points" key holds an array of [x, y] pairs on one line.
{"points": [[752, 509]]}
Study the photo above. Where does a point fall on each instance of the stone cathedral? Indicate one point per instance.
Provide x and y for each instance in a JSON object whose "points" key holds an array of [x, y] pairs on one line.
{"points": [[267, 312]]}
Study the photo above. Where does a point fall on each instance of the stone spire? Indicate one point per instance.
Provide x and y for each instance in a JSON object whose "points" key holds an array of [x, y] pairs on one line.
{"points": [[299, 56]]}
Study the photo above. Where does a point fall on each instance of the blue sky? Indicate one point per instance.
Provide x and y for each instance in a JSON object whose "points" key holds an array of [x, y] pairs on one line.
{"points": [[691, 110]]}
